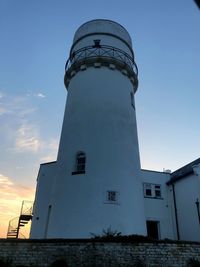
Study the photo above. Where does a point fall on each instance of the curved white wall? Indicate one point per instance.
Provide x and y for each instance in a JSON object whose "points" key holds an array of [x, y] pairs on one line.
{"points": [[102, 26]]}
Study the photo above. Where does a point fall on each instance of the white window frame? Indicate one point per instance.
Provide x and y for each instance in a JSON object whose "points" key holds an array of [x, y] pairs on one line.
{"points": [[156, 190]]}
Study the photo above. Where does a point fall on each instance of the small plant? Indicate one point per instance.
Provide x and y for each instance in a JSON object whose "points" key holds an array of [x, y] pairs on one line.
{"points": [[193, 263], [110, 233], [107, 234]]}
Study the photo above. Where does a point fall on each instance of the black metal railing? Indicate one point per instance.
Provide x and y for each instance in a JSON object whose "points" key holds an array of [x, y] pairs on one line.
{"points": [[18, 222], [102, 51]]}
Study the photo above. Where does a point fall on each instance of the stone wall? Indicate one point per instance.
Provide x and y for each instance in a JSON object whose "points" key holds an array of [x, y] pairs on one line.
{"points": [[42, 253]]}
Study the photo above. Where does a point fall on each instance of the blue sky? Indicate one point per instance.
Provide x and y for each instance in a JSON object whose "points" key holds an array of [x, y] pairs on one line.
{"points": [[35, 41]]}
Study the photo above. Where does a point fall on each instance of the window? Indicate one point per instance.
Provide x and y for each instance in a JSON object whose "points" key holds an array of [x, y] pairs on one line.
{"points": [[80, 163], [97, 43], [148, 191], [132, 100], [152, 190], [112, 197], [157, 191]]}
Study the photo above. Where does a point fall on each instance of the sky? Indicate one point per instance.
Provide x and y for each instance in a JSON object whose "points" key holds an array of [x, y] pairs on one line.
{"points": [[35, 39]]}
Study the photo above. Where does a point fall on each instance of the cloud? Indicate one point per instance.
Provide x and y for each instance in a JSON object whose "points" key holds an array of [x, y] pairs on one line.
{"points": [[32, 94], [3, 110], [1, 95], [27, 139], [10, 190], [49, 149], [4, 181], [40, 95], [17, 106], [20, 105], [27, 111], [11, 197]]}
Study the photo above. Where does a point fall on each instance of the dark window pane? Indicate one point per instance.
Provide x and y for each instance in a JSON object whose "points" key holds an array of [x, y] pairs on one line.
{"points": [[80, 167], [80, 162], [148, 192], [157, 193], [112, 196]]}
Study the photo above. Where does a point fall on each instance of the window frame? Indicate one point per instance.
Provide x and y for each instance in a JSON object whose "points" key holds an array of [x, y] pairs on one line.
{"points": [[112, 194], [156, 190], [80, 163]]}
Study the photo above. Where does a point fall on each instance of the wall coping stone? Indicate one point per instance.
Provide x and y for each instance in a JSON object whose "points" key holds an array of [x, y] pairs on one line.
{"points": [[125, 240]]}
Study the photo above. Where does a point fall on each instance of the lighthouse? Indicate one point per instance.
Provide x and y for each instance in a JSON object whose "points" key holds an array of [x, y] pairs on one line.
{"points": [[95, 184]]}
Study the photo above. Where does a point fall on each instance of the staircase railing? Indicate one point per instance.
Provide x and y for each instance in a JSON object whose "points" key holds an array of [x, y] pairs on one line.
{"points": [[18, 222]]}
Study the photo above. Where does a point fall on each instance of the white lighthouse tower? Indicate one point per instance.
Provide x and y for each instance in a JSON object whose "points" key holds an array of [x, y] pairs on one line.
{"points": [[95, 183]]}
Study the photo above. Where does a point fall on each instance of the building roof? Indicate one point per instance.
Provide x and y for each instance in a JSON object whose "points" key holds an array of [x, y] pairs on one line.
{"points": [[50, 162], [183, 172]]}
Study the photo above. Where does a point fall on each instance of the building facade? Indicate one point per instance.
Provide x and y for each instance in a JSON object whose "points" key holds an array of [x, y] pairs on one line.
{"points": [[97, 182]]}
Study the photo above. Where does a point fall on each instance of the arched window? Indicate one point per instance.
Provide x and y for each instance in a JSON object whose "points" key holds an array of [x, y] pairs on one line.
{"points": [[80, 163]]}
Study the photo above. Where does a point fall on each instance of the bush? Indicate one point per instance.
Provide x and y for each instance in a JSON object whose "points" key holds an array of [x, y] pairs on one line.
{"points": [[106, 234]]}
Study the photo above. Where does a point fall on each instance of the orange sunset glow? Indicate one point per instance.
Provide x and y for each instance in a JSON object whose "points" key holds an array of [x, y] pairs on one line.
{"points": [[11, 197]]}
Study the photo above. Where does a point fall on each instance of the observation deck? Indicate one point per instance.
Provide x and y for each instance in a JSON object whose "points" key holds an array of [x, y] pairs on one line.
{"points": [[101, 55], [102, 43]]}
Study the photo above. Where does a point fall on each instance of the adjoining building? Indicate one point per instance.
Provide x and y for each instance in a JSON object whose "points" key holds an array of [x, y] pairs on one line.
{"points": [[97, 182]]}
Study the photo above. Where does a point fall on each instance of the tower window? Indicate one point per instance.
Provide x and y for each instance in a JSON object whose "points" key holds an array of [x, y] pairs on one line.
{"points": [[132, 100], [80, 163], [97, 43], [152, 190], [112, 197]]}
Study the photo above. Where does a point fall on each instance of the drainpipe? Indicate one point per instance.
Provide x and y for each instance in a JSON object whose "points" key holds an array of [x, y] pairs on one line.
{"points": [[176, 215], [198, 212]]}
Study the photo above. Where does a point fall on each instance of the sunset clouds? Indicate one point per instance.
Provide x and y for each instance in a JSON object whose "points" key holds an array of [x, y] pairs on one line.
{"points": [[11, 197], [24, 145], [27, 138]]}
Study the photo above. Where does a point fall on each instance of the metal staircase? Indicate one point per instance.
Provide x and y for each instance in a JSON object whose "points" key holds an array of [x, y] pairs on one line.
{"points": [[16, 223]]}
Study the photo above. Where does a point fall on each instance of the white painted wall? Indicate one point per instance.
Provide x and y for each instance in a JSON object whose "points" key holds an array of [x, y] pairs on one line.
{"points": [[108, 32], [160, 209], [102, 26], [43, 198], [187, 191], [99, 120]]}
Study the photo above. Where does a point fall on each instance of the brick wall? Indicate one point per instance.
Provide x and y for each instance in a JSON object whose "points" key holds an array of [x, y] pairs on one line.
{"points": [[41, 253]]}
